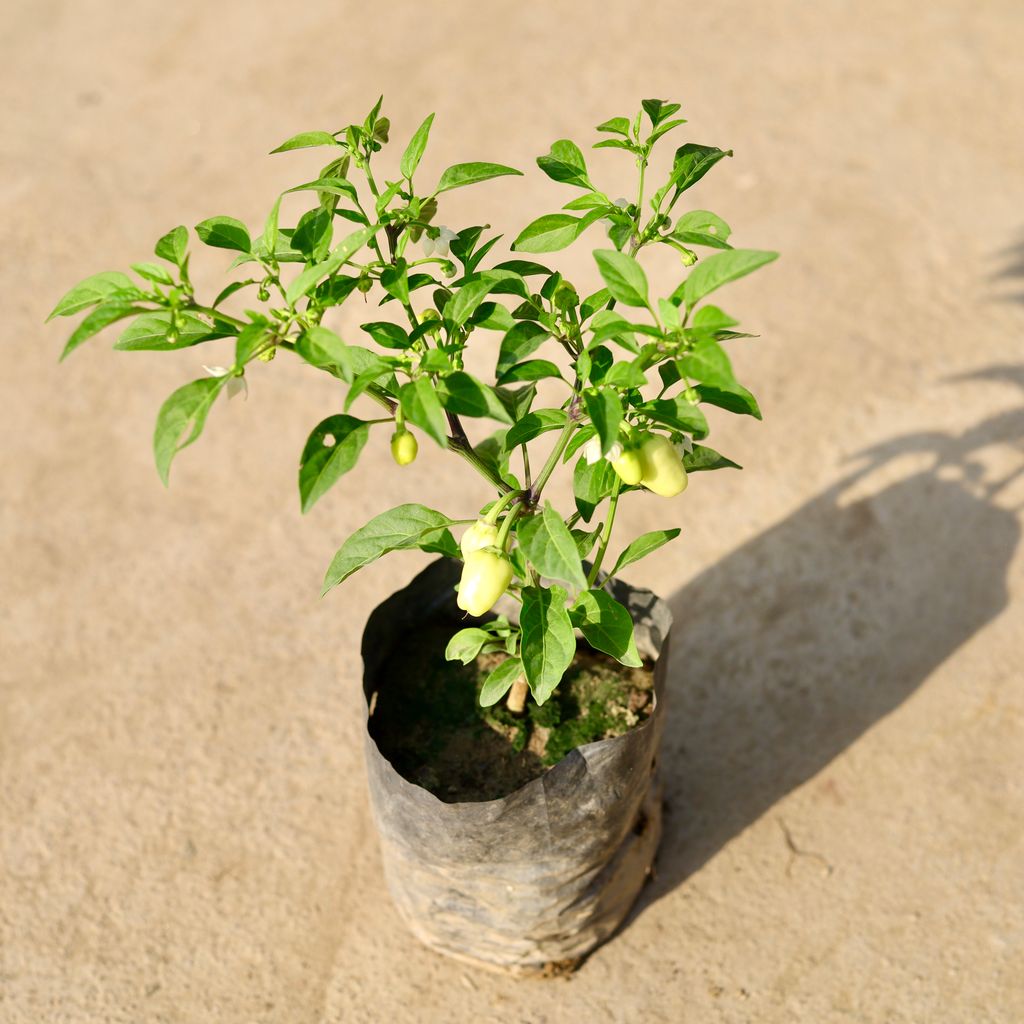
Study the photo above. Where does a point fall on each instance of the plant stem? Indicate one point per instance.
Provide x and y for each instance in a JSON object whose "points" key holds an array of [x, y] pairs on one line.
{"points": [[192, 307], [499, 506], [465, 449], [556, 453], [506, 526], [605, 533]]}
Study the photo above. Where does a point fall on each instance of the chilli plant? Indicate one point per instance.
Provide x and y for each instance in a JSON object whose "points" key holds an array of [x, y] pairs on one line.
{"points": [[630, 373]]}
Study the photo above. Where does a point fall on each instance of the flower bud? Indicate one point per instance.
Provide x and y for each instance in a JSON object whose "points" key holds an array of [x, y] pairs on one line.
{"points": [[486, 575], [479, 535], [403, 447], [629, 466], [663, 470], [565, 296]]}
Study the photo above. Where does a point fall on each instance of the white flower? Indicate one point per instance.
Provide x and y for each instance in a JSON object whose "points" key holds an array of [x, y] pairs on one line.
{"points": [[621, 203], [233, 386], [440, 245], [592, 451], [684, 445]]}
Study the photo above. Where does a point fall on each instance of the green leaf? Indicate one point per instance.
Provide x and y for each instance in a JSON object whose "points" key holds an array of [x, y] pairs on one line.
{"points": [[532, 369], [702, 458], [414, 151], [708, 363], [423, 408], [183, 415], [466, 644], [91, 291], [617, 144], [250, 339], [149, 333], [678, 414], [313, 233], [720, 269], [395, 280], [328, 186], [173, 246], [658, 110], [270, 226], [548, 640], [153, 272], [550, 547], [665, 126], [307, 140], [644, 545], [711, 318], [464, 395], [590, 201], [533, 424], [388, 335], [499, 681], [330, 452], [692, 162], [585, 540], [625, 375], [591, 484], [322, 347], [565, 163], [624, 277], [736, 399], [525, 268], [101, 317], [224, 233], [702, 227], [520, 341], [554, 231], [607, 626], [401, 528], [463, 304], [469, 174], [370, 369], [617, 125], [605, 409], [309, 277]]}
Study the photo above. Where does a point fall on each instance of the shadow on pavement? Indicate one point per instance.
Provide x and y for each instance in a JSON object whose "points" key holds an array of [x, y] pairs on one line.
{"points": [[790, 648]]}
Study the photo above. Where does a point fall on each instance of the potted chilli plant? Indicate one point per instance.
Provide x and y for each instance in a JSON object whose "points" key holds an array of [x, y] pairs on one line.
{"points": [[515, 690]]}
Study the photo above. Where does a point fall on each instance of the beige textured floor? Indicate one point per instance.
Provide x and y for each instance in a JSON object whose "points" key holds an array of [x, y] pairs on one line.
{"points": [[184, 835]]}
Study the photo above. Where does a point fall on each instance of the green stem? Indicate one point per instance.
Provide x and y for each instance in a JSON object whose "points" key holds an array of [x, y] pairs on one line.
{"points": [[605, 533], [193, 307], [556, 453], [506, 526], [465, 449], [500, 505]]}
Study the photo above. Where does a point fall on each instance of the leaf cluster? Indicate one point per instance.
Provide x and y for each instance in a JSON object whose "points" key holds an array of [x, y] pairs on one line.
{"points": [[620, 362]]}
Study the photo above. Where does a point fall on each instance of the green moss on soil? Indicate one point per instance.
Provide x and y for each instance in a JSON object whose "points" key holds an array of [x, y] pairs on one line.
{"points": [[428, 722]]}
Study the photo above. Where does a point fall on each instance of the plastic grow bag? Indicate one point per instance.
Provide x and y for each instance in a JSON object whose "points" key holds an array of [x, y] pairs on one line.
{"points": [[534, 880]]}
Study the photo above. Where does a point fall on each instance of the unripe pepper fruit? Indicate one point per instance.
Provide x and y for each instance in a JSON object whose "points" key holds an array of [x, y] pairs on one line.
{"points": [[404, 447], [629, 466], [663, 470], [486, 574], [480, 535]]}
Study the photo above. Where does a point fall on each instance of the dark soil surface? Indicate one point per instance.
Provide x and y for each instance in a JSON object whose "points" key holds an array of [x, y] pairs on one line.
{"points": [[428, 723]]}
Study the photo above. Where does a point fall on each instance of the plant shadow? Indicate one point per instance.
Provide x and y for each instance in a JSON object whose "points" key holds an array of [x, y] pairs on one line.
{"points": [[790, 648], [1012, 270]]}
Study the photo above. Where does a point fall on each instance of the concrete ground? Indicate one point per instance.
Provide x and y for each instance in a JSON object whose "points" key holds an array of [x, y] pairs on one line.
{"points": [[184, 832]]}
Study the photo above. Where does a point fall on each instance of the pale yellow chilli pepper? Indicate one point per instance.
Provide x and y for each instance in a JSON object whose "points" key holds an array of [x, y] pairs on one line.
{"points": [[663, 470], [480, 535], [629, 466], [486, 574], [404, 447]]}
